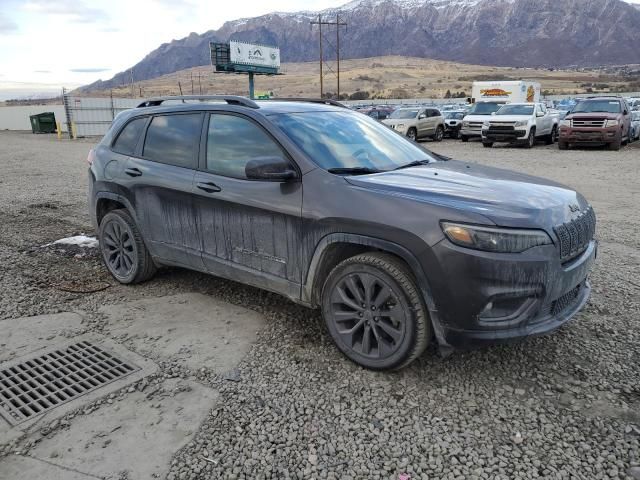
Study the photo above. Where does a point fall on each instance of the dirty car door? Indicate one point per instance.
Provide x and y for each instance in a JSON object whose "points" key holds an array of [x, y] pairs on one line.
{"points": [[249, 229], [160, 180]]}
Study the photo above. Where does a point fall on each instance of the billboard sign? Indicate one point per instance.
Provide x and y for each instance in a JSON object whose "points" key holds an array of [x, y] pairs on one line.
{"points": [[253, 54]]}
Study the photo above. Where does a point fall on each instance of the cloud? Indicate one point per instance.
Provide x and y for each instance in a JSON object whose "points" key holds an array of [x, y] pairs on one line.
{"points": [[89, 70], [176, 4], [42, 71], [77, 10], [7, 25]]}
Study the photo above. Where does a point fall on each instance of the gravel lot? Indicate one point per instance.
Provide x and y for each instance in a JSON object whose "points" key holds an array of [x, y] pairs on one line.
{"points": [[563, 406]]}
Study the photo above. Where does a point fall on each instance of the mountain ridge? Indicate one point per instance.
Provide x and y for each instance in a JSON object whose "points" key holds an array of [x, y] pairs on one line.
{"points": [[518, 33]]}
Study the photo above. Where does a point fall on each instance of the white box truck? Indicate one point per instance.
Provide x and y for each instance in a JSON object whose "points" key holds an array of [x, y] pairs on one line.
{"points": [[488, 97], [519, 91]]}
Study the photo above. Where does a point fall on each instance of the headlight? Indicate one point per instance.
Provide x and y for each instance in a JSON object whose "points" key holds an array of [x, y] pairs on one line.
{"points": [[400, 125], [611, 123], [565, 123], [490, 239], [521, 123], [465, 124]]}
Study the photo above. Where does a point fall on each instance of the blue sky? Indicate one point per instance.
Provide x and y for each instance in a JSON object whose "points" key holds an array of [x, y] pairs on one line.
{"points": [[47, 44]]}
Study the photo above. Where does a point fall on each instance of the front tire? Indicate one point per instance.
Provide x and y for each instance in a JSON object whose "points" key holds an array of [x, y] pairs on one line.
{"points": [[531, 139], [487, 144], [123, 250], [464, 138], [563, 145], [439, 135], [374, 312]]}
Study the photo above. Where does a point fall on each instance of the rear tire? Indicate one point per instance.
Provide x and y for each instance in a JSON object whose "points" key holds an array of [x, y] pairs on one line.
{"points": [[374, 311], [123, 250], [412, 134], [552, 137]]}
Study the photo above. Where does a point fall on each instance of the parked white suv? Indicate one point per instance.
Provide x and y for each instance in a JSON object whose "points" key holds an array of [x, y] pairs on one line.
{"points": [[521, 123]]}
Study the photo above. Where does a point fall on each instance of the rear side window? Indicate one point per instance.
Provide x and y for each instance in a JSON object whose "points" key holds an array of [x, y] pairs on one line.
{"points": [[128, 138], [233, 142], [173, 139], [434, 113]]}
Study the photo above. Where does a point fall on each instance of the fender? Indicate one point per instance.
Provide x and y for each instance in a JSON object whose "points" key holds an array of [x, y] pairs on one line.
{"points": [[385, 245], [116, 197]]}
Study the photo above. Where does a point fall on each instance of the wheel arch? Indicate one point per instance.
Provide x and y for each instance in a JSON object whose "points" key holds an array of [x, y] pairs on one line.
{"points": [[108, 201]]}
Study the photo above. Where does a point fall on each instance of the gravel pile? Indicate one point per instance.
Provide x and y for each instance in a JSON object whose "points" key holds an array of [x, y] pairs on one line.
{"points": [[566, 406]]}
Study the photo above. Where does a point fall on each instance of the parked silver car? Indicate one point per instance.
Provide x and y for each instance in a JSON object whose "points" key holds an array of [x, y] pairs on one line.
{"points": [[417, 122]]}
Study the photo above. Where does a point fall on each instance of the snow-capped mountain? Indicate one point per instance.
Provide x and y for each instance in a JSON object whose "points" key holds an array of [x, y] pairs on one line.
{"points": [[489, 32]]}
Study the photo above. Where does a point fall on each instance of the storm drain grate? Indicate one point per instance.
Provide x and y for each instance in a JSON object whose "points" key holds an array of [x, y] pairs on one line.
{"points": [[36, 386]]}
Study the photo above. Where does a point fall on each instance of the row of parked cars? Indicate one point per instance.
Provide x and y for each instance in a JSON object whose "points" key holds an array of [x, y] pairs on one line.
{"points": [[612, 121]]}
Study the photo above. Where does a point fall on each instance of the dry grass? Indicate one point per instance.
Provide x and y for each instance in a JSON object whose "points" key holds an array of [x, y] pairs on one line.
{"points": [[380, 76]]}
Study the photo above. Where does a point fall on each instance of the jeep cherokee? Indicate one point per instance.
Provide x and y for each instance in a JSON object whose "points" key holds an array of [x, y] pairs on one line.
{"points": [[396, 245]]}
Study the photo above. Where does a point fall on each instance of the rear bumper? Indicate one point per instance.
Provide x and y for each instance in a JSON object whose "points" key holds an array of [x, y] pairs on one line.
{"points": [[485, 298], [589, 135]]}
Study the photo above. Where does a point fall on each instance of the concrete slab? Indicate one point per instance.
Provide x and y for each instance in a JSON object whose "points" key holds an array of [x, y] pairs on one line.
{"points": [[14, 467], [21, 336], [192, 329], [135, 435]]}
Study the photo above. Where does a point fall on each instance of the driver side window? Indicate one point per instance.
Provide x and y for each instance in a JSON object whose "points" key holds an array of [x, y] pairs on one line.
{"points": [[233, 141]]}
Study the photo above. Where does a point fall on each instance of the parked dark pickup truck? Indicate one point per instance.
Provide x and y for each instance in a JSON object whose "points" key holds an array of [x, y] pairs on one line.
{"points": [[597, 120]]}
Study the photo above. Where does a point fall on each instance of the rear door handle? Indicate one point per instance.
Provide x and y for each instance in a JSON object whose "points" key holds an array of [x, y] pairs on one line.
{"points": [[208, 187], [133, 172]]}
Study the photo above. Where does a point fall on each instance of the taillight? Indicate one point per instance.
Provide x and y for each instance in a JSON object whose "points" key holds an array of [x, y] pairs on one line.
{"points": [[91, 157]]}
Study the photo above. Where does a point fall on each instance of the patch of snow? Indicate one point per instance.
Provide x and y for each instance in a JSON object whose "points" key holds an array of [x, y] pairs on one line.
{"points": [[79, 240]]}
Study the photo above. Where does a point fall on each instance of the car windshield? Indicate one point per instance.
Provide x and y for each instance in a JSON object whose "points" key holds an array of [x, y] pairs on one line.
{"points": [[404, 114], [600, 106], [484, 108], [515, 110], [343, 140], [453, 115]]}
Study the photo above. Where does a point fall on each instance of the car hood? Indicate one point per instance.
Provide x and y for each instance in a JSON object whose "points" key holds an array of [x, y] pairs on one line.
{"points": [[508, 118], [506, 198], [476, 118], [607, 115]]}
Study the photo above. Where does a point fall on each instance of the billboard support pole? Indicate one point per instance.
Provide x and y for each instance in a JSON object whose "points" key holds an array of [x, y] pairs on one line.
{"points": [[251, 85]]}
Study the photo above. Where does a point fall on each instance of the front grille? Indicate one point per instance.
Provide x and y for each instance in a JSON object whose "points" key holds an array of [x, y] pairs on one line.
{"points": [[565, 301], [574, 236], [475, 124], [591, 122], [501, 128], [36, 386]]}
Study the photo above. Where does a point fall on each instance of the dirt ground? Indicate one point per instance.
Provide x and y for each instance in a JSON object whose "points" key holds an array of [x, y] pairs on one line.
{"points": [[562, 406]]}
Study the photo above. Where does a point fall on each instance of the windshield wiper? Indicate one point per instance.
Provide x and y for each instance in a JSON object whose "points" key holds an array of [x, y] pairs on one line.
{"points": [[354, 170], [415, 163]]}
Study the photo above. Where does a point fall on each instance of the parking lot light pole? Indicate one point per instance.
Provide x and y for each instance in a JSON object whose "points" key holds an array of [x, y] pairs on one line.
{"points": [[251, 85]]}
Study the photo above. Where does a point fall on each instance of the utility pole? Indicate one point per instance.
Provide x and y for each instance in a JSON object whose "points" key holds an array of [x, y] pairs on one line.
{"points": [[337, 24]]}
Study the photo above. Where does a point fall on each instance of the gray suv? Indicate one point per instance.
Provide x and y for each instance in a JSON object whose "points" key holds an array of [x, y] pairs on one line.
{"points": [[396, 245]]}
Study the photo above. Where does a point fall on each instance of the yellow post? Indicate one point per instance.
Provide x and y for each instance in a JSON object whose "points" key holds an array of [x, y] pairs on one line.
{"points": [[74, 132], [59, 130]]}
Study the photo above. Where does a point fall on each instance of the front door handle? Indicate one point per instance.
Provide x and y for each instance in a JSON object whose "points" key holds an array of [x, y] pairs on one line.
{"points": [[208, 187], [133, 172]]}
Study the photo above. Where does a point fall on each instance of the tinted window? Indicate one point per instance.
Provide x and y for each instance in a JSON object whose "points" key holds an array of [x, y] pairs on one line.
{"points": [[434, 113], [128, 138], [234, 141], [173, 139]]}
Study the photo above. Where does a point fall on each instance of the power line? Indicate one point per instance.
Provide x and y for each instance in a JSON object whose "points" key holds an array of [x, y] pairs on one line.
{"points": [[337, 23]]}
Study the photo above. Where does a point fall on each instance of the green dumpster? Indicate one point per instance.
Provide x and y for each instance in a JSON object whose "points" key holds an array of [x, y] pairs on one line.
{"points": [[43, 122]]}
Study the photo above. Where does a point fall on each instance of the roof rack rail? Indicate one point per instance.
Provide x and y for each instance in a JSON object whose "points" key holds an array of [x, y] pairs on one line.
{"points": [[325, 101], [230, 99]]}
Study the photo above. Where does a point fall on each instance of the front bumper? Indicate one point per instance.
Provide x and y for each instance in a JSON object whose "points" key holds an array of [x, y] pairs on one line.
{"points": [[588, 135], [505, 135], [541, 293], [471, 131]]}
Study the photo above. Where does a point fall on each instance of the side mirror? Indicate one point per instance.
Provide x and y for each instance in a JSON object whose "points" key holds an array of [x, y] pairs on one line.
{"points": [[540, 114], [493, 113], [422, 116], [274, 169]]}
